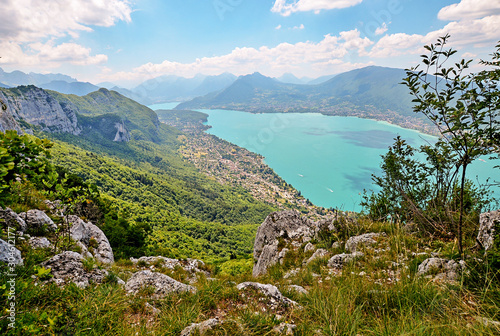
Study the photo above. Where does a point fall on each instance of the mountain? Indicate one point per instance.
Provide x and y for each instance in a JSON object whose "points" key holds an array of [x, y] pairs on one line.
{"points": [[132, 95], [77, 88], [371, 92], [17, 78], [107, 85], [102, 114], [292, 79], [213, 83], [320, 80], [2, 85], [174, 88], [136, 163]]}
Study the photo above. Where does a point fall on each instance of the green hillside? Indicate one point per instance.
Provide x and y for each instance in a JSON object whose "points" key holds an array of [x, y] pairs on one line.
{"points": [[147, 184], [142, 121]]}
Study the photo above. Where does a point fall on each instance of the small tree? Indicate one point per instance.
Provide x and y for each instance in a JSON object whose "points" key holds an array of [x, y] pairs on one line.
{"points": [[464, 107]]}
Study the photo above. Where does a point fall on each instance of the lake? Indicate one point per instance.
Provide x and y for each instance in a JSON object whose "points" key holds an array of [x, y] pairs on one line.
{"points": [[329, 159]]}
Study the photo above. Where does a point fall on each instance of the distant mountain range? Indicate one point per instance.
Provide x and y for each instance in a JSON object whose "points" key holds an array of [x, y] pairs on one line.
{"points": [[174, 88], [292, 79], [371, 92], [77, 88], [17, 78]]}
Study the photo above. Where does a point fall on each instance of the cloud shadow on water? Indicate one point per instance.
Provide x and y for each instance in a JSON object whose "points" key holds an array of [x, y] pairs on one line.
{"points": [[362, 180], [372, 139]]}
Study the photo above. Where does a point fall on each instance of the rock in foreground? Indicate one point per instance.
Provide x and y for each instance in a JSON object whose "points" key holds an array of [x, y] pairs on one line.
{"points": [[489, 222], [9, 254], [68, 267], [91, 239], [284, 225], [161, 284]]}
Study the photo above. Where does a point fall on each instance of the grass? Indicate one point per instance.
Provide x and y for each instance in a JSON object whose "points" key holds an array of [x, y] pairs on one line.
{"points": [[359, 300]]}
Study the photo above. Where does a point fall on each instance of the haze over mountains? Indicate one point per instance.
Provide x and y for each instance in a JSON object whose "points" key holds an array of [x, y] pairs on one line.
{"points": [[370, 92]]}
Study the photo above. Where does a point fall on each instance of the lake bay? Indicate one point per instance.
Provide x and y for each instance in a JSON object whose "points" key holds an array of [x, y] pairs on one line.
{"points": [[328, 159]]}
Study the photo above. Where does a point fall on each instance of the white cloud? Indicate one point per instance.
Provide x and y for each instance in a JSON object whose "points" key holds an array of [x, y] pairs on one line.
{"points": [[327, 55], [66, 53], [48, 55], [382, 29], [278, 27], [284, 8], [28, 20], [396, 45], [468, 55], [479, 32], [299, 27], [464, 33], [470, 9], [25, 23]]}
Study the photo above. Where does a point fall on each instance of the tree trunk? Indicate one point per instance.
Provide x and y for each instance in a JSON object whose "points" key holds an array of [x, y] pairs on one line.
{"points": [[460, 221]]}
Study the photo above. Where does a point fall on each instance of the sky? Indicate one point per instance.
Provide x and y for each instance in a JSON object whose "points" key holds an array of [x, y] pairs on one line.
{"points": [[129, 41]]}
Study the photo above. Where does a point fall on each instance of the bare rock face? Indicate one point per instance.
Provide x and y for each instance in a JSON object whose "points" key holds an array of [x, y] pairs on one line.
{"points": [[39, 242], [37, 107], [339, 260], [162, 284], [319, 253], [189, 265], [10, 254], [285, 225], [200, 327], [12, 219], [298, 289], [37, 219], [309, 247], [122, 135], [285, 328], [489, 222], [272, 292], [91, 239], [366, 239], [68, 267], [441, 269]]}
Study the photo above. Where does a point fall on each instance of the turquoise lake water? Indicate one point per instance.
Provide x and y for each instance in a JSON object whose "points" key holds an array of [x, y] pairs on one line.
{"points": [[328, 159]]}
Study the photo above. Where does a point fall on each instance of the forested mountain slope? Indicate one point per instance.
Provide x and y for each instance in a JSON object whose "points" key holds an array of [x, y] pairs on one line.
{"points": [[182, 212]]}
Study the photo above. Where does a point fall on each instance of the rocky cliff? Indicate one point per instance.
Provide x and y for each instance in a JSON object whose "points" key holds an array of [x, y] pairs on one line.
{"points": [[35, 106]]}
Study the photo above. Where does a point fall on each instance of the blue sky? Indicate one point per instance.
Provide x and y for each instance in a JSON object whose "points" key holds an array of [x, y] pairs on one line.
{"points": [[127, 42]]}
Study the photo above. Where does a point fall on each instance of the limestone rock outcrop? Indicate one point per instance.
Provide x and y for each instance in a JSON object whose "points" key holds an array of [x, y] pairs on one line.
{"points": [[91, 239], [12, 219], [298, 289], [489, 222], [39, 242], [201, 327], [339, 260], [37, 107], [286, 226], [68, 267], [441, 269], [189, 265], [122, 135], [354, 243], [161, 284], [319, 253], [10, 254], [270, 291], [38, 220]]}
